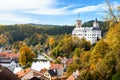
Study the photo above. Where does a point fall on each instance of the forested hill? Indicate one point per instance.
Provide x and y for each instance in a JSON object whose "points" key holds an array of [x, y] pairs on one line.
{"points": [[22, 31]]}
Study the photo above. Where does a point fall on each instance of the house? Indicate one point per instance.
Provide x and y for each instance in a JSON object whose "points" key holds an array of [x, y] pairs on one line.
{"points": [[8, 62], [57, 69], [41, 62], [92, 34], [30, 74], [6, 74]]}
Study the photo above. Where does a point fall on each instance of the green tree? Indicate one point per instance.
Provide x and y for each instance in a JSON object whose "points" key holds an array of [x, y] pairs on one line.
{"points": [[116, 76]]}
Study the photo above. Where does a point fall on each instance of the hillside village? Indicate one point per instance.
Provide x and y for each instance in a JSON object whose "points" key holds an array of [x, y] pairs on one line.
{"points": [[67, 57], [42, 67]]}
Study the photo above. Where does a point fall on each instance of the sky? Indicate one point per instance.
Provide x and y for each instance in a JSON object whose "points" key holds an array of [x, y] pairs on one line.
{"points": [[52, 12]]}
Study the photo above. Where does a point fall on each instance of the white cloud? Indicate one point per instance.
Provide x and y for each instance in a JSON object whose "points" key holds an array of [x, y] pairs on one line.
{"points": [[90, 8], [11, 9], [46, 7], [25, 4], [98, 7], [11, 19]]}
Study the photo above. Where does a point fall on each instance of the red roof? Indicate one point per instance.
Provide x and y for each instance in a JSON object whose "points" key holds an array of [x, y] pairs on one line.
{"points": [[23, 72], [56, 66], [9, 55]]}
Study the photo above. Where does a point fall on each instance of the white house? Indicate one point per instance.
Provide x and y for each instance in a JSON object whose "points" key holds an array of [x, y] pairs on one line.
{"points": [[8, 62], [40, 63], [91, 34]]}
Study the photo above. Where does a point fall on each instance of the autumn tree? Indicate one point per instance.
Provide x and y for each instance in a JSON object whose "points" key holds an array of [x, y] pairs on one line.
{"points": [[26, 56], [99, 51], [51, 42], [3, 39]]}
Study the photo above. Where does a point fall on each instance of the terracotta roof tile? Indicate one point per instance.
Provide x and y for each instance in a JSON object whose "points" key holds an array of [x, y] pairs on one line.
{"points": [[23, 72], [56, 66], [9, 55]]}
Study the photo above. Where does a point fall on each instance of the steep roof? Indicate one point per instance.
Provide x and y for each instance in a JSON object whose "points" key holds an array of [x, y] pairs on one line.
{"points": [[9, 55], [95, 28], [23, 72], [6, 74], [56, 66]]}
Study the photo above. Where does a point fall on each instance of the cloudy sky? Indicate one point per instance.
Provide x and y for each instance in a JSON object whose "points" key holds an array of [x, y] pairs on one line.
{"points": [[55, 12]]}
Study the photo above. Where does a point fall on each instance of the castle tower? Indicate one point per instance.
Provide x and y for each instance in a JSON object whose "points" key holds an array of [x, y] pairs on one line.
{"points": [[95, 24], [78, 23]]}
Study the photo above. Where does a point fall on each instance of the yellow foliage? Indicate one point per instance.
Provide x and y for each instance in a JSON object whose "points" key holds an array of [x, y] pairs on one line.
{"points": [[92, 66], [26, 55], [51, 41], [113, 37]]}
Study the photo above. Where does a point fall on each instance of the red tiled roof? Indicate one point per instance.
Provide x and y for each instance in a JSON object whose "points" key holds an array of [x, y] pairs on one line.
{"points": [[23, 72], [9, 55], [56, 66]]}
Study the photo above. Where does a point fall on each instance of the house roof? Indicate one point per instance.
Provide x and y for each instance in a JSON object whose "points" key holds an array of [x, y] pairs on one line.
{"points": [[23, 72], [56, 66], [6, 74], [95, 28], [40, 65], [52, 72], [9, 55]]}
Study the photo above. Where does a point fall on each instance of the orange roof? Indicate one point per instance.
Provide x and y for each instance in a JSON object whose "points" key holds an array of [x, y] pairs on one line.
{"points": [[56, 66], [23, 72], [71, 77], [9, 55], [13, 55]]}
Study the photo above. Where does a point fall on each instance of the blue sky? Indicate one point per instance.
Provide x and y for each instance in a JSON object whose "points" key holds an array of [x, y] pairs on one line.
{"points": [[53, 12]]}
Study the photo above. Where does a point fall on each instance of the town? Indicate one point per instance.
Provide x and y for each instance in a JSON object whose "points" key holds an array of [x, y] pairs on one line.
{"points": [[59, 40]]}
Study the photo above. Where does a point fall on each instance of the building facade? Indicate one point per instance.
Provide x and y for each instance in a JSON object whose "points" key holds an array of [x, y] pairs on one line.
{"points": [[92, 34]]}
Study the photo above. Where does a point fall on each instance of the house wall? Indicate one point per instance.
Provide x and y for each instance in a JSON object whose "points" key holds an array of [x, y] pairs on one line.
{"points": [[60, 71]]}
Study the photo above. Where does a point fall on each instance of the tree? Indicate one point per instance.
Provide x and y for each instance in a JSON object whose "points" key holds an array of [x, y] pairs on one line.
{"points": [[116, 76], [3, 39], [51, 42], [99, 51], [76, 53], [26, 56]]}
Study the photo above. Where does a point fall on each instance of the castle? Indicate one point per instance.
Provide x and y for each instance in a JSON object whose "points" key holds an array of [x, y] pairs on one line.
{"points": [[91, 34]]}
